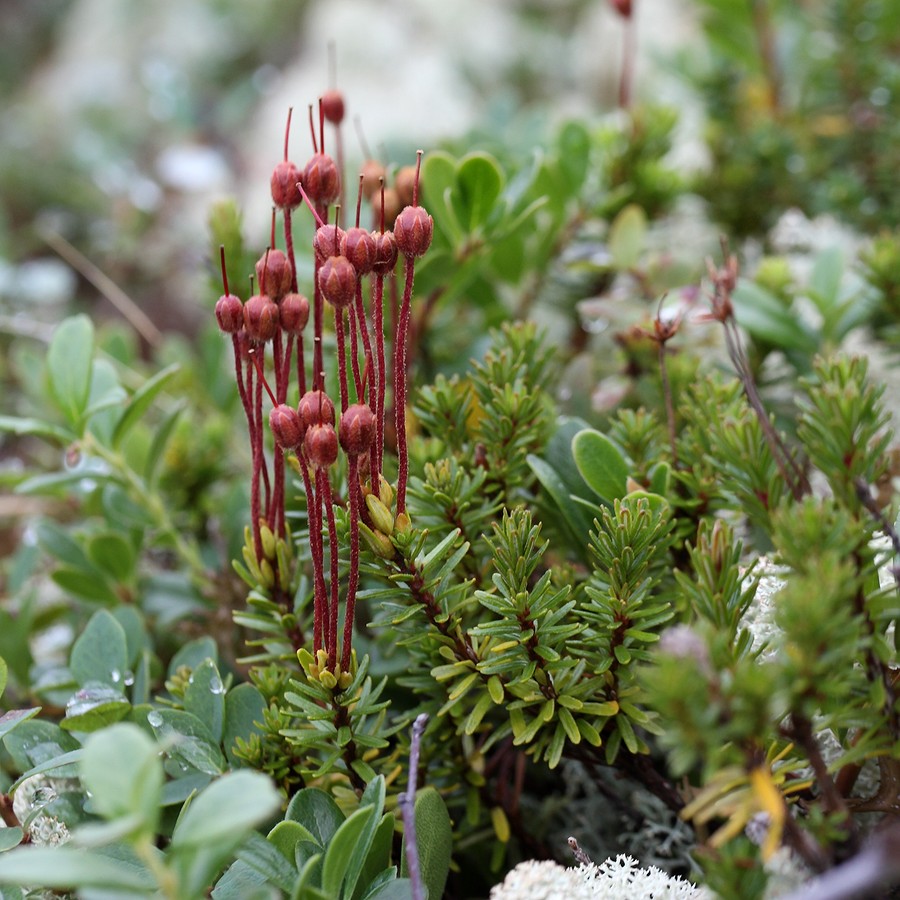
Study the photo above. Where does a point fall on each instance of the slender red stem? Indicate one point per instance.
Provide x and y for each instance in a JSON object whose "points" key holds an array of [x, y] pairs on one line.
{"points": [[342, 357], [353, 578], [400, 386], [380, 374]]}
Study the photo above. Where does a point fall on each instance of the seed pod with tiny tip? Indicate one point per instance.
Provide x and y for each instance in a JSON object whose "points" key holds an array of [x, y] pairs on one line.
{"points": [[321, 180], [286, 426], [230, 313], [372, 172], [414, 230], [274, 273], [386, 252], [359, 247], [320, 443], [327, 241], [357, 429], [261, 318], [294, 313], [316, 408], [405, 184], [285, 194], [337, 281], [333, 106]]}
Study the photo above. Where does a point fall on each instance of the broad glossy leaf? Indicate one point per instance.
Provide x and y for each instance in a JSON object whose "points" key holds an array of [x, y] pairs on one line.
{"points": [[69, 364], [112, 554], [14, 717], [433, 841], [193, 653], [627, 236], [244, 706], [10, 837], [122, 770], [93, 588], [187, 739], [65, 867], [141, 400], [601, 464], [94, 706], [100, 652], [339, 869], [317, 812], [36, 428], [229, 808], [35, 741], [479, 180], [266, 858], [205, 697]]}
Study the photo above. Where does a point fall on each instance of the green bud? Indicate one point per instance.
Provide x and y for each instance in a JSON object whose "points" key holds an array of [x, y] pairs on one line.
{"points": [[380, 515], [385, 492], [327, 680], [380, 544], [268, 573], [402, 523], [495, 689], [268, 540]]}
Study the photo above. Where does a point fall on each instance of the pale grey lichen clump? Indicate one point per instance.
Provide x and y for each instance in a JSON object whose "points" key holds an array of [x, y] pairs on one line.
{"points": [[619, 878]]}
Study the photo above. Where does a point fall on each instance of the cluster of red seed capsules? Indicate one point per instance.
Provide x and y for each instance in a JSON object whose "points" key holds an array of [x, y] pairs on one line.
{"points": [[271, 333]]}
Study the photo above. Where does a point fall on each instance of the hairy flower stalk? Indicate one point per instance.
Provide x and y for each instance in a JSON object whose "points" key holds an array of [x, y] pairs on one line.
{"points": [[267, 336]]}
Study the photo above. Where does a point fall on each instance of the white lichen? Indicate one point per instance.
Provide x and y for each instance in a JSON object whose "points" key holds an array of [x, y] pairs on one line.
{"points": [[619, 878]]}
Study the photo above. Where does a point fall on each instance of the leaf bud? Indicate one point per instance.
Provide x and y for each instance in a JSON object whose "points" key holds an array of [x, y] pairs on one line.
{"points": [[287, 428], [385, 491], [327, 680], [268, 539], [285, 194], [294, 313], [380, 515], [379, 543], [268, 574], [402, 523], [321, 179], [414, 230], [337, 281], [274, 273], [357, 429], [261, 318], [230, 313], [359, 247], [320, 443]]}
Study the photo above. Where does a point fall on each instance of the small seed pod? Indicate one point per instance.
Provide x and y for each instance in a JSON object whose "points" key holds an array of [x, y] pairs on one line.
{"points": [[414, 230], [405, 184], [320, 443], [315, 408], [337, 281], [261, 318], [357, 429], [274, 273], [392, 207], [286, 426], [372, 172], [359, 247], [285, 194], [327, 241], [386, 252], [230, 313], [293, 313], [333, 106], [321, 179]]}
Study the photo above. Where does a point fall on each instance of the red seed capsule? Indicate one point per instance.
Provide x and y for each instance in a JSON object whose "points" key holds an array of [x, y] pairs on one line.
{"points": [[285, 194], [327, 241], [359, 247], [274, 273], [230, 313], [320, 443], [293, 313], [315, 408], [337, 281], [357, 429], [333, 106], [386, 252], [286, 426], [261, 318], [321, 179], [414, 230]]}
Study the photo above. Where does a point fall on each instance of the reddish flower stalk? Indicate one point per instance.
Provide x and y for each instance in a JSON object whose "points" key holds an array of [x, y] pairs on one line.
{"points": [[353, 578]]}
